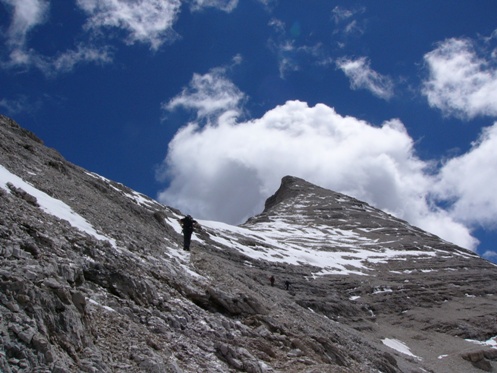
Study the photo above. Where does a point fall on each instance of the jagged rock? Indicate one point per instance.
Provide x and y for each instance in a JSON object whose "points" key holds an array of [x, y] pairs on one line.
{"points": [[18, 192], [477, 359], [107, 288]]}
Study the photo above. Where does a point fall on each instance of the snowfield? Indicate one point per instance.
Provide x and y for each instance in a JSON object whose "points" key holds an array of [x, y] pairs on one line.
{"points": [[282, 242], [51, 205]]}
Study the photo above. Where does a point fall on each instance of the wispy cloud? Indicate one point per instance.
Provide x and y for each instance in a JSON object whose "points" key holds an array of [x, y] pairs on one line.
{"points": [[145, 21], [461, 82], [291, 54], [210, 95], [142, 21], [26, 14], [363, 77], [25, 104], [225, 5], [268, 4], [63, 62], [283, 48], [489, 255], [67, 60], [341, 14], [346, 21], [13, 107]]}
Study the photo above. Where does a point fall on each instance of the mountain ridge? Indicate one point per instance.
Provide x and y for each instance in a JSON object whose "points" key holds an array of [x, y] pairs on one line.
{"points": [[93, 278]]}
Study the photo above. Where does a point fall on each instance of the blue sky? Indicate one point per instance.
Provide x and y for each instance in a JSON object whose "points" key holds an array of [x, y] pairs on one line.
{"points": [[206, 104]]}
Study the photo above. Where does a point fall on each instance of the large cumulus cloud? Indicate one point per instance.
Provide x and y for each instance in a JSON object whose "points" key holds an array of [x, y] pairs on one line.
{"points": [[224, 170], [469, 181]]}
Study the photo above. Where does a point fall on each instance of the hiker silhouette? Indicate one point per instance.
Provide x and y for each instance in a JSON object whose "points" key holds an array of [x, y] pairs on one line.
{"points": [[271, 279], [187, 223]]}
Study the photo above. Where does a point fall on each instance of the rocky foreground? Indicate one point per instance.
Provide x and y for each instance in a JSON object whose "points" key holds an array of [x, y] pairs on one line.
{"points": [[93, 279]]}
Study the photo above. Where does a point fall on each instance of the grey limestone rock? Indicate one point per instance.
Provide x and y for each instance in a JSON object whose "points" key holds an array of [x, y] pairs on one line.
{"points": [[120, 295]]}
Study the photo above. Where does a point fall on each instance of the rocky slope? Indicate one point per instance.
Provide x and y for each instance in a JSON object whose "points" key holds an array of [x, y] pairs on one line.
{"points": [[93, 279]]}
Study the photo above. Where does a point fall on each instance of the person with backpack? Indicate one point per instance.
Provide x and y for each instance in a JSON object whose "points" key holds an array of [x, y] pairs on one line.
{"points": [[271, 280], [187, 223]]}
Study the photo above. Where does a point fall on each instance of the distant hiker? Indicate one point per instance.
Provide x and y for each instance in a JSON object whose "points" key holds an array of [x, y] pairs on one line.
{"points": [[271, 279], [287, 284], [187, 223]]}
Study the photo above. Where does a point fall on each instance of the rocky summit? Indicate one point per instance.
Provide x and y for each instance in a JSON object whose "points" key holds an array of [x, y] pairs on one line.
{"points": [[93, 278]]}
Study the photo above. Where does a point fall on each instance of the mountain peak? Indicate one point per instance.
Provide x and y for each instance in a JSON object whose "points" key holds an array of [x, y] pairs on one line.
{"points": [[290, 187], [300, 202]]}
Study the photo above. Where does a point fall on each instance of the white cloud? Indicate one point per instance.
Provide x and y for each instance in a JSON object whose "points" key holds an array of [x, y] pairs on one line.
{"points": [[469, 182], [226, 170], [291, 55], [287, 61], [146, 21], [344, 18], [13, 107], [225, 5], [363, 77], [268, 4], [278, 25], [340, 14], [211, 95], [20, 104], [26, 15], [63, 62], [82, 54], [490, 255], [283, 48], [460, 82]]}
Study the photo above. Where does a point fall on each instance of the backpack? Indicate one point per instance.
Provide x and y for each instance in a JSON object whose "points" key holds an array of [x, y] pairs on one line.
{"points": [[188, 223]]}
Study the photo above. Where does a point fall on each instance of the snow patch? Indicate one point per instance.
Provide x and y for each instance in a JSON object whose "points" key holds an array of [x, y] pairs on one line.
{"points": [[98, 304], [346, 252], [399, 346], [51, 205], [138, 198], [492, 342]]}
